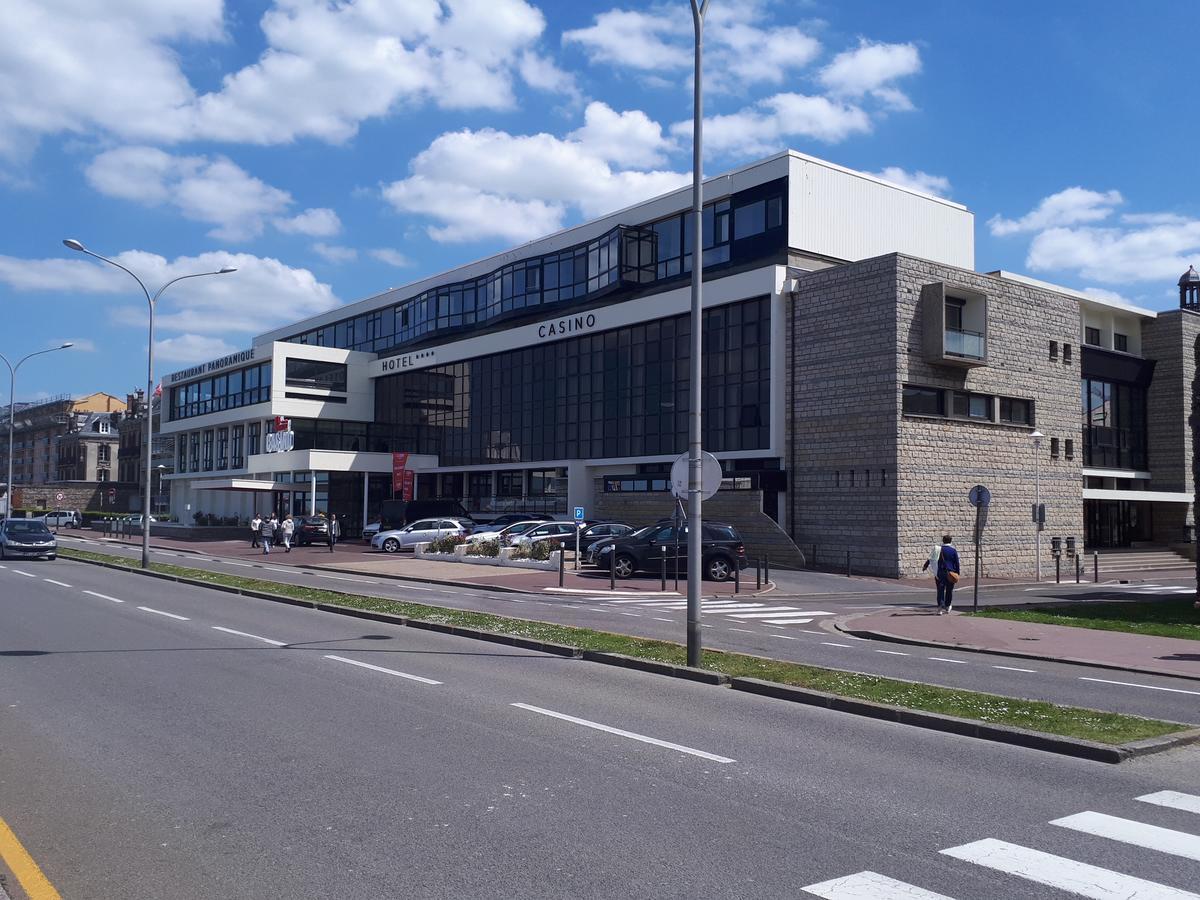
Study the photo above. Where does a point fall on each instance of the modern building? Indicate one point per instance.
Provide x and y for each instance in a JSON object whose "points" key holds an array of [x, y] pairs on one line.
{"points": [[859, 378]]}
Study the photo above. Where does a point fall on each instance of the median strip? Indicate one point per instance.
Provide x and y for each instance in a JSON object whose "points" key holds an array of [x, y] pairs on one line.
{"points": [[1064, 729]]}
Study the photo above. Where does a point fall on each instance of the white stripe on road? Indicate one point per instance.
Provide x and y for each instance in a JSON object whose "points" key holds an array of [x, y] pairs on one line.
{"points": [[1013, 669], [656, 618], [1173, 800], [786, 637], [26, 574], [627, 734], [59, 583], [247, 635], [782, 612], [3, 567], [159, 612], [344, 578], [832, 644], [1127, 831], [1066, 874], [961, 662], [363, 665], [742, 630], [104, 597], [413, 587], [1149, 687], [635, 615], [892, 652], [787, 621], [243, 565], [870, 886]]}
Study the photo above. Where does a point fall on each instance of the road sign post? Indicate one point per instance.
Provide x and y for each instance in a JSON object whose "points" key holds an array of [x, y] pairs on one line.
{"points": [[579, 511], [979, 497]]}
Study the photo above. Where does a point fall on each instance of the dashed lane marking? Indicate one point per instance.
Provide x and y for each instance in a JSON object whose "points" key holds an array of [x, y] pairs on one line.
{"points": [[1015, 669], [256, 637], [1149, 687], [658, 618], [26, 574], [159, 612], [59, 583], [786, 637], [104, 596], [960, 662], [892, 652], [373, 668], [832, 644], [1173, 800]]}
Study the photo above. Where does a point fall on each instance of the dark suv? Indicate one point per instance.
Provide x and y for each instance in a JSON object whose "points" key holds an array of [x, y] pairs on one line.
{"points": [[722, 550], [310, 530]]}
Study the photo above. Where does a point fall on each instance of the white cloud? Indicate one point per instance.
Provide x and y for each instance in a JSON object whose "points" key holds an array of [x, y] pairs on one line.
{"points": [[1104, 294], [768, 125], [1118, 255], [316, 222], [637, 40], [488, 183], [1073, 206], [938, 185], [334, 253], [541, 72], [390, 256], [629, 138], [191, 348], [871, 68]]}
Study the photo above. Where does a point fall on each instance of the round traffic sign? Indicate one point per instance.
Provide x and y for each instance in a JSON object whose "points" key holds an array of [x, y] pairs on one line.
{"points": [[980, 496], [59, 496], [710, 478]]}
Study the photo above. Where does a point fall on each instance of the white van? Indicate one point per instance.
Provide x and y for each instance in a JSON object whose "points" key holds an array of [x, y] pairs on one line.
{"points": [[63, 518]]}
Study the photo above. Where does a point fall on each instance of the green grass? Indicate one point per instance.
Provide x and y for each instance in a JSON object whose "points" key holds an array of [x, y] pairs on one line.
{"points": [[1175, 617], [1034, 715]]}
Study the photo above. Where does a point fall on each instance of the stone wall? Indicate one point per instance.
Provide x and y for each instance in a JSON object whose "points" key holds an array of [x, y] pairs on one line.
{"points": [[78, 495]]}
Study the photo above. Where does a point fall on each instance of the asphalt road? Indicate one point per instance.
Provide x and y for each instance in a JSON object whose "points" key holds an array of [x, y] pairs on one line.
{"points": [[805, 638], [185, 743]]}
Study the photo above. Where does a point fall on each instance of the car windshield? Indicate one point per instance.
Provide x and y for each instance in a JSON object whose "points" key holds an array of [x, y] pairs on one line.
{"points": [[642, 532], [520, 527], [27, 527]]}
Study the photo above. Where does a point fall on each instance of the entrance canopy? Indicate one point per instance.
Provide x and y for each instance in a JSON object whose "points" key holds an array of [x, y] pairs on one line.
{"points": [[247, 485]]}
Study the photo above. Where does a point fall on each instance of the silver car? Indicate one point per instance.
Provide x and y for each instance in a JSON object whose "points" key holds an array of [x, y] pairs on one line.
{"points": [[419, 532], [27, 537]]}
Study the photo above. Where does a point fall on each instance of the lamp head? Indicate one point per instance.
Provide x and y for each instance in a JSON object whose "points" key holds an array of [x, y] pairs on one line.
{"points": [[66, 344], [74, 245], [1037, 438], [225, 270]]}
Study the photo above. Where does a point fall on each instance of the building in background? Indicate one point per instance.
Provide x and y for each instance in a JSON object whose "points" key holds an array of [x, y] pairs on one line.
{"points": [[131, 460], [37, 427]]}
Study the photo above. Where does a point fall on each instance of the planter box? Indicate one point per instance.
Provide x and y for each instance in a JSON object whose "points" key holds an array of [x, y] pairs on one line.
{"points": [[548, 565], [482, 560], [422, 551]]}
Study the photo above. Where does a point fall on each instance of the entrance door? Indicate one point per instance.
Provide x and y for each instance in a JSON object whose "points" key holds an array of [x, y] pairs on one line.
{"points": [[1115, 523]]}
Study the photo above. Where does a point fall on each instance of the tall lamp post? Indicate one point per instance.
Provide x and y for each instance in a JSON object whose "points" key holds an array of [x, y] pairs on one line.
{"points": [[160, 468], [1037, 499], [152, 301], [695, 460], [12, 401]]}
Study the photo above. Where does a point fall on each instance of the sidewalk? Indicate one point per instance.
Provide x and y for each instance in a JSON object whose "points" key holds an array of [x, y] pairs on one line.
{"points": [[1108, 649]]}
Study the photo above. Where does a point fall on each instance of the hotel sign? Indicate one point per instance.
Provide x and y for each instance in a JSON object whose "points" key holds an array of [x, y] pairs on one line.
{"points": [[232, 359], [282, 439]]}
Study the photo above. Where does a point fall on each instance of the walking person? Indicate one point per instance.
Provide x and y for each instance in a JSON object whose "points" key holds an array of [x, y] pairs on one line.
{"points": [[944, 559], [335, 531], [266, 533], [288, 528], [255, 525]]}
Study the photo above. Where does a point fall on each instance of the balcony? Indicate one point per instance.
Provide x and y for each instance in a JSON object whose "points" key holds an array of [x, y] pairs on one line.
{"points": [[954, 325], [967, 344]]}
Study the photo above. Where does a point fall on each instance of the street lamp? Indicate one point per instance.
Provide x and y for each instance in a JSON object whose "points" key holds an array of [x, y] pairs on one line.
{"points": [[12, 400], [695, 459], [160, 468], [1037, 498], [152, 301]]}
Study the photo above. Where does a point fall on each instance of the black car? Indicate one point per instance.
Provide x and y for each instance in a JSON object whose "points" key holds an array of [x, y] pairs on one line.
{"points": [[310, 530], [26, 537], [644, 550], [511, 519]]}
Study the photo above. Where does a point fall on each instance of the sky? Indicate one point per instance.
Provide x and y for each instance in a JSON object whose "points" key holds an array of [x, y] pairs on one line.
{"points": [[331, 149]]}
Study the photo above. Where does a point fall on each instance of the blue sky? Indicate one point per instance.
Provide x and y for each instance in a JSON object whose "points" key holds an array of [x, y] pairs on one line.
{"points": [[331, 149]]}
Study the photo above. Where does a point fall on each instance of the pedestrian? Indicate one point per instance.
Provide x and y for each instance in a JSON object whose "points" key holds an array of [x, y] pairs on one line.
{"points": [[266, 531], [255, 525], [288, 528], [944, 560], [334, 530]]}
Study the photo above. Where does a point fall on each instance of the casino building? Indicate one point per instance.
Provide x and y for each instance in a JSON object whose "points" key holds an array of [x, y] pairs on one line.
{"points": [[859, 378]]}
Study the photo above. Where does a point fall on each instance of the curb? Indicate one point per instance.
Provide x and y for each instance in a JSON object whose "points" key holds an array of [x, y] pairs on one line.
{"points": [[1075, 747], [870, 635]]}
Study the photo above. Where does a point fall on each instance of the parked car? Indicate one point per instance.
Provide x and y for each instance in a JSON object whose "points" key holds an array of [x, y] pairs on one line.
{"points": [[395, 514], [395, 540], [135, 520], [547, 531], [27, 537], [722, 549], [507, 519], [310, 530], [370, 531], [63, 518], [505, 534]]}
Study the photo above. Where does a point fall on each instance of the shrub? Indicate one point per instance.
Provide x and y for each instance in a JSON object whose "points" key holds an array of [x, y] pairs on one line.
{"points": [[446, 544], [484, 548]]}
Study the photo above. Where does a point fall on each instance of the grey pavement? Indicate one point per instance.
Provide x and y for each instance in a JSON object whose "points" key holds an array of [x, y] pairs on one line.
{"points": [[750, 627], [149, 755]]}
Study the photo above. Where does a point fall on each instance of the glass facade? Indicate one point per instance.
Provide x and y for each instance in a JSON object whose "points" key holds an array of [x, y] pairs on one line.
{"points": [[231, 390], [1114, 425]]}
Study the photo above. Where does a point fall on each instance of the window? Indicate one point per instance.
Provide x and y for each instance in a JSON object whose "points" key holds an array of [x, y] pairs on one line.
{"points": [[508, 484], [103, 453], [181, 453], [236, 461], [1067, 354], [921, 401], [316, 373], [954, 313], [208, 450], [749, 220], [253, 430], [1091, 336], [222, 448], [194, 458], [971, 406], [102, 475], [1054, 349], [1121, 342], [1054, 448], [1016, 412], [1070, 449]]}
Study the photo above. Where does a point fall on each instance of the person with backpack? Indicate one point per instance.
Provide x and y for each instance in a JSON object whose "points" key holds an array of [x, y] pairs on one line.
{"points": [[944, 560]]}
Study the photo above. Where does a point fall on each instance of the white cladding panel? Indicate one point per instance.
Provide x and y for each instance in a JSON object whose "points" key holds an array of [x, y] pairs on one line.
{"points": [[847, 215]]}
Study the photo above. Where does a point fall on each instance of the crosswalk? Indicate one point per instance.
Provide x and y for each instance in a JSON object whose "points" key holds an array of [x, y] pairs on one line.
{"points": [[1052, 872], [1157, 590], [737, 610]]}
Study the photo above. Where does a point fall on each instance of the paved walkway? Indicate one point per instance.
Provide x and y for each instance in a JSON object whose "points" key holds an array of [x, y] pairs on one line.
{"points": [[1112, 649]]}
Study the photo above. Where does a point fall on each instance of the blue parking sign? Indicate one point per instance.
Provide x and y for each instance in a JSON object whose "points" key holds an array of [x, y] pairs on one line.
{"points": [[579, 514]]}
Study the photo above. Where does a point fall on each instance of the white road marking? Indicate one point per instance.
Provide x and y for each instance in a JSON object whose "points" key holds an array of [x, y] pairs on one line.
{"points": [[243, 565], [1127, 831], [870, 886], [771, 612], [1014, 669], [961, 662], [159, 612], [633, 736], [363, 665], [810, 631], [1173, 800], [413, 587], [832, 644], [1149, 687], [784, 612], [892, 652], [660, 619], [1066, 874], [26, 574], [787, 621], [104, 597], [344, 578], [509, 599], [786, 637], [742, 630], [635, 615], [59, 583], [3, 567], [247, 635]]}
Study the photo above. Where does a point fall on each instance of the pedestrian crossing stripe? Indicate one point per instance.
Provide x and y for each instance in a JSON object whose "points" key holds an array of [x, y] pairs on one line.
{"points": [[870, 886], [1173, 800], [1127, 831]]}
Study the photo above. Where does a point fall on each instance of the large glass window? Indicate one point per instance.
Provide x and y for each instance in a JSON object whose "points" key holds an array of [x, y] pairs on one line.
{"points": [[252, 434], [241, 387], [236, 458], [316, 373], [923, 401], [222, 448], [208, 451], [1114, 425], [194, 455]]}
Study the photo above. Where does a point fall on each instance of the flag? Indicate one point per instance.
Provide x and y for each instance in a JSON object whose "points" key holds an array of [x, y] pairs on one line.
{"points": [[158, 391]]}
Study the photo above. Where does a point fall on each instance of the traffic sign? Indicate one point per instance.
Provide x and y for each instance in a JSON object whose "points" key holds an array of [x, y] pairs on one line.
{"points": [[579, 514], [980, 496], [710, 478], [59, 496]]}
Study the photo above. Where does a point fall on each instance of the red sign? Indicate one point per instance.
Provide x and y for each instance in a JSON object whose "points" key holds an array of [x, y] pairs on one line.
{"points": [[406, 492], [282, 424], [399, 463]]}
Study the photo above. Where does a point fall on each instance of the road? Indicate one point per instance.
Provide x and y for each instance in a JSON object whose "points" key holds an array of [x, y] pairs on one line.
{"points": [[166, 741], [752, 626]]}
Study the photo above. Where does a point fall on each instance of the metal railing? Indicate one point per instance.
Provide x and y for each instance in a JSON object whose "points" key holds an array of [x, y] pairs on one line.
{"points": [[971, 344]]}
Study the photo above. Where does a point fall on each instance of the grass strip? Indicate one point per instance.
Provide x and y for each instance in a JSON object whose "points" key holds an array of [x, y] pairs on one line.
{"points": [[1175, 617], [1034, 715]]}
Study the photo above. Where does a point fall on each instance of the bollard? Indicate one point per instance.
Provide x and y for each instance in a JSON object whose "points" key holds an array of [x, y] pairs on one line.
{"points": [[1078, 568], [766, 569], [1057, 570], [847, 563], [612, 570], [562, 555], [1096, 566], [737, 578], [758, 573], [662, 586]]}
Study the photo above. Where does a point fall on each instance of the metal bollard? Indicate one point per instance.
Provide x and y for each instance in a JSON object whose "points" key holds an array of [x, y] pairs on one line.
{"points": [[662, 586], [737, 577], [1057, 570], [1078, 568], [847, 563], [758, 573], [766, 570], [1096, 566], [562, 555], [612, 570]]}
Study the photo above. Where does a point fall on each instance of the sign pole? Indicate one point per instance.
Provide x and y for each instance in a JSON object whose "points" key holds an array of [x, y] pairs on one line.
{"points": [[978, 511]]}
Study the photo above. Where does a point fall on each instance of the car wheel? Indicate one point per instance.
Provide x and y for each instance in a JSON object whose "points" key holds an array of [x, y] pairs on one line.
{"points": [[718, 568], [391, 545], [624, 565], [52, 557]]}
